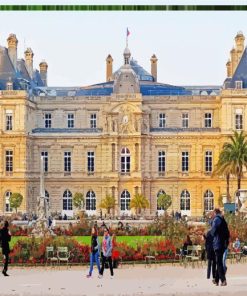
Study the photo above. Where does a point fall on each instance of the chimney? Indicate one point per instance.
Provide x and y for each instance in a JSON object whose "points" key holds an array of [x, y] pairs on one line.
{"points": [[153, 61], [239, 40], [29, 61], [229, 68], [43, 66], [109, 64], [12, 49], [234, 59]]}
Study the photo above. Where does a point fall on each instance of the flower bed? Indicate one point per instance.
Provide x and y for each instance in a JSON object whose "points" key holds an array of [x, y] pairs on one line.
{"points": [[33, 251], [18, 230]]}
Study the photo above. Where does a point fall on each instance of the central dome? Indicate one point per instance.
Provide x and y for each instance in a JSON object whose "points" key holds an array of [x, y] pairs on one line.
{"points": [[126, 81]]}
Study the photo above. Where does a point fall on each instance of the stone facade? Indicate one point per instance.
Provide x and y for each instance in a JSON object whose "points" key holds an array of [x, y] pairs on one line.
{"points": [[115, 130]]}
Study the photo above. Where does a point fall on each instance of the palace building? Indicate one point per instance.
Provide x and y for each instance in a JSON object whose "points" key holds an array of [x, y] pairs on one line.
{"points": [[129, 134]]}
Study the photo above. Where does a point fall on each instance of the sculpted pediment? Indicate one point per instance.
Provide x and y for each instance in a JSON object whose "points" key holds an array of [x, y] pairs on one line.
{"points": [[125, 118]]}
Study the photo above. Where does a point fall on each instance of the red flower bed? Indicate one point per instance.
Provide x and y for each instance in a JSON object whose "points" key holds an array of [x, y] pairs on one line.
{"points": [[33, 251], [18, 231]]}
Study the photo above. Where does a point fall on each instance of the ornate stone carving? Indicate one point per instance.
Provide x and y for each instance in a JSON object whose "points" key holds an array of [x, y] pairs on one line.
{"points": [[126, 122]]}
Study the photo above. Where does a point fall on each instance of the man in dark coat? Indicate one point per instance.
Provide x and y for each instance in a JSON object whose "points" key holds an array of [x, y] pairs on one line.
{"points": [[219, 243], [210, 255], [5, 239]]}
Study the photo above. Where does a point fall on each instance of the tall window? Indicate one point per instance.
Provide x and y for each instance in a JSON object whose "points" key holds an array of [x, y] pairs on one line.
{"points": [[44, 154], [161, 161], [208, 119], [67, 161], [161, 192], [239, 119], [185, 120], [90, 162], [47, 120], [185, 201], [70, 120], [162, 120], [47, 196], [208, 201], [90, 201], [67, 200], [93, 120], [7, 202], [208, 161], [125, 161], [125, 201], [9, 120], [9, 160], [185, 161]]}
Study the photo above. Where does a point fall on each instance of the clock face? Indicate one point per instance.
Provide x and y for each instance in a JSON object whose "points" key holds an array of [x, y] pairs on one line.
{"points": [[125, 119]]}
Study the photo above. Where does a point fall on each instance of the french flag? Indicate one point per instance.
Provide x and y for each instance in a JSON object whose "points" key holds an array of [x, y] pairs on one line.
{"points": [[128, 32]]}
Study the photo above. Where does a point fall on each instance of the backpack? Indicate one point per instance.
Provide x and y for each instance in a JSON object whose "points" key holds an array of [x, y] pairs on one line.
{"points": [[224, 232]]}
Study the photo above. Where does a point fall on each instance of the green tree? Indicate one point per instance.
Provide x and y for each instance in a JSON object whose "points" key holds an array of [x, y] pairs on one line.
{"points": [[78, 200], [164, 201], [224, 167], [234, 157], [15, 200], [108, 203], [139, 202]]}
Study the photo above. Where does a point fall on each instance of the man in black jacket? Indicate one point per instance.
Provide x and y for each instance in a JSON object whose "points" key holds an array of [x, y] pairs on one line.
{"points": [[220, 234], [5, 237]]}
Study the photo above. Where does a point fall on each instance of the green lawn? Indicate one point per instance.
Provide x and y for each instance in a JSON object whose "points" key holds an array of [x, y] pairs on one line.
{"points": [[130, 240], [86, 240]]}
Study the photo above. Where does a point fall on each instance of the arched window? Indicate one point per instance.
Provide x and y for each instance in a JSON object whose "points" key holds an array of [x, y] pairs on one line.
{"points": [[47, 195], [185, 201], [7, 204], [161, 192], [125, 200], [125, 161], [67, 200], [208, 201], [90, 201]]}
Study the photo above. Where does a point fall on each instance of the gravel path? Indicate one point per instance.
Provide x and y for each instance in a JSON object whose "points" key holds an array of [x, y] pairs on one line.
{"points": [[128, 280]]}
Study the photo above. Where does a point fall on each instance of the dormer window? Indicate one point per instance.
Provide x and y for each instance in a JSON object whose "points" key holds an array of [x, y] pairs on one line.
{"points": [[9, 85], [239, 84]]}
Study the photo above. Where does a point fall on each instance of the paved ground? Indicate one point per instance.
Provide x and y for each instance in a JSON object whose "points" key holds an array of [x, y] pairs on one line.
{"points": [[137, 280]]}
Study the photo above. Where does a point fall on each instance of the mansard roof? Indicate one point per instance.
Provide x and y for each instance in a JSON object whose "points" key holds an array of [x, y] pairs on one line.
{"points": [[6, 68], [18, 76], [140, 72], [240, 73], [106, 89]]}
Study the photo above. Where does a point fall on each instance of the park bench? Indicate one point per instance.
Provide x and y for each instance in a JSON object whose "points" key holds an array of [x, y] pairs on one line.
{"points": [[149, 259], [63, 255], [193, 255], [51, 257]]}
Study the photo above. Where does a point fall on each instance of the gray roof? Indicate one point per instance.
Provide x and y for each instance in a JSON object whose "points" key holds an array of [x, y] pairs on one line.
{"points": [[7, 70], [19, 76], [240, 73]]}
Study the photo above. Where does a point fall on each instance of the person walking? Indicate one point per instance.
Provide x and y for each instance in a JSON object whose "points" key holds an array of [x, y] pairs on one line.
{"points": [[220, 234], [106, 253], [5, 238], [95, 249], [210, 256]]}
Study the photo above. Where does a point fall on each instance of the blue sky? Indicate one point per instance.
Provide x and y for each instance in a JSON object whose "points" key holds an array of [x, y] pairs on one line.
{"points": [[192, 47]]}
